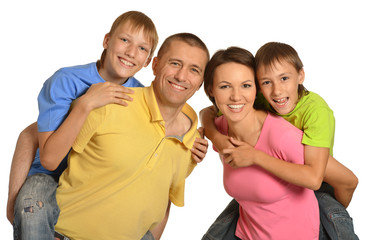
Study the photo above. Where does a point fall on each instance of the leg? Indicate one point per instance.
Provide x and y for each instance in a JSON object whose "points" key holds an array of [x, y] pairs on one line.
{"points": [[334, 218], [36, 211], [225, 225]]}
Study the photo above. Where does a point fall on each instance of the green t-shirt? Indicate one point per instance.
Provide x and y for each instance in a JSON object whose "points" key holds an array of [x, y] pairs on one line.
{"points": [[314, 117]]}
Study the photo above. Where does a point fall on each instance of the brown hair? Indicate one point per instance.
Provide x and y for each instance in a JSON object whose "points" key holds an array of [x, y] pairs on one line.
{"points": [[138, 20], [231, 54], [273, 52], [188, 38]]}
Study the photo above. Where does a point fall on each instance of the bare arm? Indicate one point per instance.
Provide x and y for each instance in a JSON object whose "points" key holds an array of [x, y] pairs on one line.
{"points": [[342, 179], [309, 175], [220, 141], [159, 229], [54, 145], [23, 157]]}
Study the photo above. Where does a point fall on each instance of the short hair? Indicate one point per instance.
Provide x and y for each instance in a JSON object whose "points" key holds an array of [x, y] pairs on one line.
{"points": [[229, 55], [189, 38], [138, 20], [275, 52]]}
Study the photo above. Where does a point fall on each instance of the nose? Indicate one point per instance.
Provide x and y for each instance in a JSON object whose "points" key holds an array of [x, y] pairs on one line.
{"points": [[277, 89], [181, 75], [131, 51], [235, 96]]}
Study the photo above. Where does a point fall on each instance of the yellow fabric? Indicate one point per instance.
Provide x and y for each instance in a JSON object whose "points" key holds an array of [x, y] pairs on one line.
{"points": [[122, 171]]}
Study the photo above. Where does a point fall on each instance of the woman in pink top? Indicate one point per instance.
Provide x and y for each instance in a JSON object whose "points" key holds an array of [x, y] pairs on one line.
{"points": [[270, 208]]}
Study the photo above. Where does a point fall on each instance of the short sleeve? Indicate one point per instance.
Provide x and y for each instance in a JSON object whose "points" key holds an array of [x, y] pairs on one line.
{"points": [[319, 128], [177, 189], [54, 101], [89, 128]]}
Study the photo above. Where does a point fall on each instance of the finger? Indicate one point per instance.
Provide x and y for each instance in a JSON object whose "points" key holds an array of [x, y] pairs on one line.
{"points": [[227, 151], [235, 141], [228, 159], [201, 131], [196, 158], [123, 96], [123, 89], [198, 152], [202, 142]]}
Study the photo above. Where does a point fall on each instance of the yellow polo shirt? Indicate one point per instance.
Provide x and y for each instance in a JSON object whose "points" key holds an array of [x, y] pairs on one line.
{"points": [[122, 171]]}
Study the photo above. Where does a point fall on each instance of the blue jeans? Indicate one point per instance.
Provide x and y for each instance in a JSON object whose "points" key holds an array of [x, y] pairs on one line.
{"points": [[335, 221], [224, 227], [36, 211]]}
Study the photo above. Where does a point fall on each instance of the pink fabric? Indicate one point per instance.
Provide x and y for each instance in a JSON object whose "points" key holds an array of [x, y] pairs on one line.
{"points": [[271, 208]]}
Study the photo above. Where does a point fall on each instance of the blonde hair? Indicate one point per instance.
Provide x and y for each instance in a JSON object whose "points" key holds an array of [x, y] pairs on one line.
{"points": [[138, 20]]}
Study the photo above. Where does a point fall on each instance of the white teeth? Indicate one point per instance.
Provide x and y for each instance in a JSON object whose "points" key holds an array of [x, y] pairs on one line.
{"points": [[280, 101], [238, 106], [126, 62], [178, 87]]}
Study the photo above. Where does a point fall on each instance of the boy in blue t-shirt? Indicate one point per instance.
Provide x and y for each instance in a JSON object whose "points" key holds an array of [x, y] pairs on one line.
{"points": [[128, 47]]}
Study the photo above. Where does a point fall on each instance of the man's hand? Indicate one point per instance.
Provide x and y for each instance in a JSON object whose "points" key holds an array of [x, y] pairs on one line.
{"points": [[200, 147]]}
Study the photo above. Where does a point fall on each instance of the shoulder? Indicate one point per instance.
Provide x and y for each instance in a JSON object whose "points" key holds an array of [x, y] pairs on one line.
{"points": [[280, 128]]}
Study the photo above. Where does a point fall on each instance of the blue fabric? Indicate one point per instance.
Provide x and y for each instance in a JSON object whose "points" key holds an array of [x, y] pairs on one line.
{"points": [[55, 99], [224, 227], [335, 221], [36, 210]]}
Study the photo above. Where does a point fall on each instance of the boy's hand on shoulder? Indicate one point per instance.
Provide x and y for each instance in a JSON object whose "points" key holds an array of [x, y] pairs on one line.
{"points": [[101, 94], [200, 147]]}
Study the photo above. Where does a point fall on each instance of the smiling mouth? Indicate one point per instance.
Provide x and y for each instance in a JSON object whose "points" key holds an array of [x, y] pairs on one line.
{"points": [[127, 63], [281, 101], [176, 86], [235, 106]]}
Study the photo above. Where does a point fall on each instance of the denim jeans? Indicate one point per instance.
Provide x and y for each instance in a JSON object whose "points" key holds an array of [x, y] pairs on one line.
{"points": [[335, 222], [224, 227], [36, 211]]}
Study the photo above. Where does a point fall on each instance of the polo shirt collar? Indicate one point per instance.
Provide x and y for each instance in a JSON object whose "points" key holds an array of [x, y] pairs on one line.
{"points": [[189, 137]]}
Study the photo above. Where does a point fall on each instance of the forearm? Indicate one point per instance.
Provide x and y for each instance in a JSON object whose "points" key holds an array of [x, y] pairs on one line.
{"points": [[54, 146], [23, 157], [297, 174], [342, 179], [207, 116], [159, 229]]}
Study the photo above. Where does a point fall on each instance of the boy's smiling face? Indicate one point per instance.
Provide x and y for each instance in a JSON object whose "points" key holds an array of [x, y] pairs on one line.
{"points": [[127, 51], [279, 85]]}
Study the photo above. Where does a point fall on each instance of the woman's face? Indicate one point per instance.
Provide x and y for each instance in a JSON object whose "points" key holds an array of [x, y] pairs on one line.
{"points": [[234, 90]]}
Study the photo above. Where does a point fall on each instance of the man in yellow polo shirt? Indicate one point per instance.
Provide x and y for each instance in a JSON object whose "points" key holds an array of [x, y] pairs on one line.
{"points": [[129, 163]]}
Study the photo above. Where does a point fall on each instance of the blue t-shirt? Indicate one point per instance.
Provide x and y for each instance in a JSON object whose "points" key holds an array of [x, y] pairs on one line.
{"points": [[55, 98]]}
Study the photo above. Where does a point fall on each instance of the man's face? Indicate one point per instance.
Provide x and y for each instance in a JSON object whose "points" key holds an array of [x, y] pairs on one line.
{"points": [[178, 73], [127, 51]]}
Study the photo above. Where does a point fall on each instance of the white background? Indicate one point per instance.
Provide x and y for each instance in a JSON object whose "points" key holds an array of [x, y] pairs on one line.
{"points": [[39, 37]]}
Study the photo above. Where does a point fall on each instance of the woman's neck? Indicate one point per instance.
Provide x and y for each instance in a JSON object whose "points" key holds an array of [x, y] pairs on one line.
{"points": [[248, 129]]}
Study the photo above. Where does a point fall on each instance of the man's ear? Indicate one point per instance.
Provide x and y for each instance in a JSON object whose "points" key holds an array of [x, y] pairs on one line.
{"points": [[106, 41], [154, 65]]}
